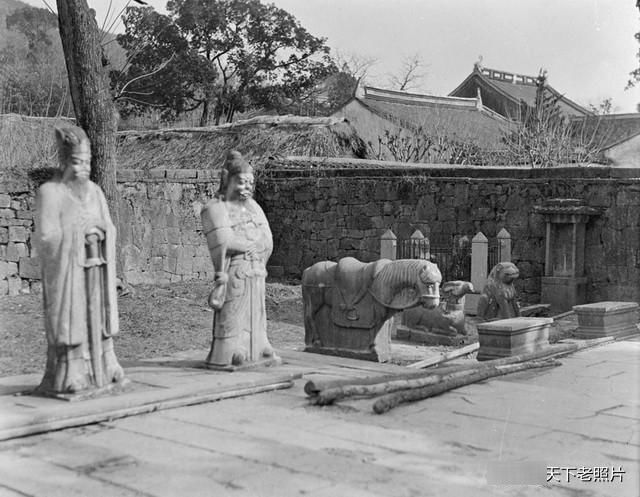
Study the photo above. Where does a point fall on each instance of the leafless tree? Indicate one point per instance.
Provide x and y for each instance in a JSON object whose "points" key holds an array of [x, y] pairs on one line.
{"points": [[411, 76], [546, 137], [355, 65]]}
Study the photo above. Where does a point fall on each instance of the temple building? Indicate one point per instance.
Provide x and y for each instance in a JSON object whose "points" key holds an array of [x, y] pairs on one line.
{"points": [[617, 136], [504, 92], [382, 114]]}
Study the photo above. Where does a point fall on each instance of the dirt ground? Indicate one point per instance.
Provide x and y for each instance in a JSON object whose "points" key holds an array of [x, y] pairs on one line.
{"points": [[154, 321], [158, 321]]}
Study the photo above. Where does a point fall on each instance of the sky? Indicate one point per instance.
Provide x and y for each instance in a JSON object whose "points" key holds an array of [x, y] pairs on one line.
{"points": [[587, 47]]}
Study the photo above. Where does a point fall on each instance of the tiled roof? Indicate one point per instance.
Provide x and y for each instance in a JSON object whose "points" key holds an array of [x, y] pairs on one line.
{"points": [[451, 116], [519, 87], [608, 130]]}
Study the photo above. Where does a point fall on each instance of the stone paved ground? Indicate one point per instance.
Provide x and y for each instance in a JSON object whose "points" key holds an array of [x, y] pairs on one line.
{"points": [[583, 414]]}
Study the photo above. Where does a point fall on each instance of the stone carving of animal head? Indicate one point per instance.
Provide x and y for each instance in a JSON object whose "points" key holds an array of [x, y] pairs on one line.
{"points": [[454, 292], [500, 280], [405, 283], [429, 279]]}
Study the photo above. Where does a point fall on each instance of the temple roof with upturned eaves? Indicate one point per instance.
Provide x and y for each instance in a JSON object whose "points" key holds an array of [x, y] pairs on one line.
{"points": [[504, 91]]}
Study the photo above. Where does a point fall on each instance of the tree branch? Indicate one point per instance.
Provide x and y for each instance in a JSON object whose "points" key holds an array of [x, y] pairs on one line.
{"points": [[142, 76]]}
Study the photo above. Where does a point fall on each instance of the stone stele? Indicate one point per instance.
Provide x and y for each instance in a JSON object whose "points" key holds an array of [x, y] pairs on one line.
{"points": [[348, 304], [508, 337], [75, 238], [564, 283], [606, 319]]}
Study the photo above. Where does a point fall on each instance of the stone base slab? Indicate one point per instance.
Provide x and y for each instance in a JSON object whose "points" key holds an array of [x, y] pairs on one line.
{"points": [[509, 337], [261, 363], [429, 338], [351, 354], [110, 389], [563, 293], [356, 343], [154, 385], [607, 319]]}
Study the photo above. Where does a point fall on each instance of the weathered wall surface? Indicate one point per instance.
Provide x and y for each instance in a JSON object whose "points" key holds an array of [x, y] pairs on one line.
{"points": [[19, 269], [344, 212], [159, 234], [330, 213]]}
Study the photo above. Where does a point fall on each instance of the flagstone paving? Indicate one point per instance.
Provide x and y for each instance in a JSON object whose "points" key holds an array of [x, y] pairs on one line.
{"points": [[536, 433]]}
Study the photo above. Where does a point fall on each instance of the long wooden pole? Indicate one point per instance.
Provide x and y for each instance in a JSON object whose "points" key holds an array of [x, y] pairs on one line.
{"points": [[330, 395], [388, 402], [315, 388], [448, 356]]}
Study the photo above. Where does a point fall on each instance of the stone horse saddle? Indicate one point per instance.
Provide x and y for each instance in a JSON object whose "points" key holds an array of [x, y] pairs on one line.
{"points": [[352, 304]]}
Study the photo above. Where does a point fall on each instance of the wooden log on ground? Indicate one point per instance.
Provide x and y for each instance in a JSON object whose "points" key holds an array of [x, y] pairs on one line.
{"points": [[123, 408], [330, 395], [405, 382], [439, 359], [313, 388], [388, 402]]}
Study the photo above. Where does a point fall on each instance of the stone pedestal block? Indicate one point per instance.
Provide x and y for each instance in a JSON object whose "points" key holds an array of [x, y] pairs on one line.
{"points": [[357, 343], [606, 319], [429, 338], [562, 293], [509, 337], [471, 304]]}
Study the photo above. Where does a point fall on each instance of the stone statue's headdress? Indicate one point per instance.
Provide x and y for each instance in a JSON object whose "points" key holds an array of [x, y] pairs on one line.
{"points": [[233, 164], [71, 140]]}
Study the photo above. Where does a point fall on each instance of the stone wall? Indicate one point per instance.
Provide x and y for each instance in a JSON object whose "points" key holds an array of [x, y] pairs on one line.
{"points": [[160, 239], [329, 213], [334, 208], [19, 268], [160, 234]]}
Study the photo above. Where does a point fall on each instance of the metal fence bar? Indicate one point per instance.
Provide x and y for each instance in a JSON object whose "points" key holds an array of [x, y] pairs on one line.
{"points": [[452, 254]]}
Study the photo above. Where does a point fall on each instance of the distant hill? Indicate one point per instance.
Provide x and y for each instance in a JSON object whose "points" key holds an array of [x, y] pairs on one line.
{"points": [[7, 7], [114, 52], [50, 66]]}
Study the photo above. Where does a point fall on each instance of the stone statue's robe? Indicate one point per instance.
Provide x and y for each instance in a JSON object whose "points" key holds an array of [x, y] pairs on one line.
{"points": [[79, 288], [240, 326]]}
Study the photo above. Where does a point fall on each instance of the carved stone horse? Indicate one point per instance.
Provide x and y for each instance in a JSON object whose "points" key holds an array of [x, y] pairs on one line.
{"points": [[347, 303]]}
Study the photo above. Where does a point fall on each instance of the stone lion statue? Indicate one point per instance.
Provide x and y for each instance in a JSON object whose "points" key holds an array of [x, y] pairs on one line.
{"points": [[498, 299]]}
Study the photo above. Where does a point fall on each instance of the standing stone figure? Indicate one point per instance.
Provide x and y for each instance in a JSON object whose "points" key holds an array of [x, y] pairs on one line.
{"points": [[76, 243], [240, 243]]}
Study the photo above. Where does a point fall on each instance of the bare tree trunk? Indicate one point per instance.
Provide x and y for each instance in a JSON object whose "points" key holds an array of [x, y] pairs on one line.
{"points": [[204, 117], [92, 102], [94, 108]]}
